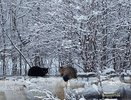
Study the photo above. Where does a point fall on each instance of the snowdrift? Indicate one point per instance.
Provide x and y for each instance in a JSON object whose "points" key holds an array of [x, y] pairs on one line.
{"points": [[54, 88]]}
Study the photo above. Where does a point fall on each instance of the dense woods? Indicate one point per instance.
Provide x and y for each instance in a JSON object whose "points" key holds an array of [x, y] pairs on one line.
{"points": [[90, 35]]}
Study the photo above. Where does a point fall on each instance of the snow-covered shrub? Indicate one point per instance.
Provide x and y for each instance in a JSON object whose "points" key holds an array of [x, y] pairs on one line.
{"points": [[70, 90], [108, 71], [81, 93], [36, 94]]}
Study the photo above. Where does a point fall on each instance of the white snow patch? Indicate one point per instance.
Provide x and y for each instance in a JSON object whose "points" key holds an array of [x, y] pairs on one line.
{"points": [[82, 99], [129, 72], [96, 12], [80, 17], [108, 70], [67, 43], [78, 7]]}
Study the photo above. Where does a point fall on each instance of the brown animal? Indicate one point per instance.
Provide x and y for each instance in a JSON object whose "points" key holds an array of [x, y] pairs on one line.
{"points": [[68, 72]]}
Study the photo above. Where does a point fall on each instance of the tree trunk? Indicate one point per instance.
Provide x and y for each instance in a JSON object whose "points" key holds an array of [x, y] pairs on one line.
{"points": [[14, 68], [3, 32], [20, 59], [126, 63]]}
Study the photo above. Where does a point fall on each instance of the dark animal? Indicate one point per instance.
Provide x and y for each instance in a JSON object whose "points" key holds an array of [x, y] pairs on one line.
{"points": [[37, 71], [68, 72]]}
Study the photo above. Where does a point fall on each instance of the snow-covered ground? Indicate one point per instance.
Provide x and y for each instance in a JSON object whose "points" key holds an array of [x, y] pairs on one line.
{"points": [[28, 88], [54, 88], [11, 90]]}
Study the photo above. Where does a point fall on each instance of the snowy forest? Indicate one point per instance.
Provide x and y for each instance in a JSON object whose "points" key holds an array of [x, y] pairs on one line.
{"points": [[90, 35]]}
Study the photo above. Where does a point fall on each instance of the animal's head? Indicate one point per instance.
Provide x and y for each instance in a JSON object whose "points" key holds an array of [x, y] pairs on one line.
{"points": [[45, 70], [66, 78], [61, 70]]}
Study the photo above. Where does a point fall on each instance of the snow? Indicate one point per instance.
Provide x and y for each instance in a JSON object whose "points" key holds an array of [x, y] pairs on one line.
{"points": [[96, 12], [78, 7], [108, 70], [54, 88], [52, 84], [82, 99], [32, 88], [37, 94], [129, 72], [67, 43], [10, 90], [114, 86], [87, 74], [80, 17], [36, 88]]}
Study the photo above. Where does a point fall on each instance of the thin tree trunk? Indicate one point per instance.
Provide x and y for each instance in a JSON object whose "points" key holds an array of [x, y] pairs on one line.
{"points": [[14, 69], [20, 60], [25, 68], [3, 32], [114, 56], [4, 59], [126, 62]]}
